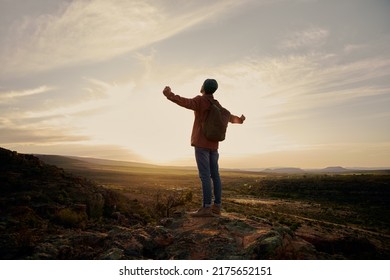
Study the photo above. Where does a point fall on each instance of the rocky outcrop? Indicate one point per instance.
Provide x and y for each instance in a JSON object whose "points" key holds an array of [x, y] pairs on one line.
{"points": [[225, 237], [233, 236], [48, 213]]}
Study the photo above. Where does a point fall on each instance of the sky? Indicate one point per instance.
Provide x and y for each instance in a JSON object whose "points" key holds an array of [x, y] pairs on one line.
{"points": [[85, 78]]}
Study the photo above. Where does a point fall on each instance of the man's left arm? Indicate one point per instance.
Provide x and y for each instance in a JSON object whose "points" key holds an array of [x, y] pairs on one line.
{"points": [[235, 119]]}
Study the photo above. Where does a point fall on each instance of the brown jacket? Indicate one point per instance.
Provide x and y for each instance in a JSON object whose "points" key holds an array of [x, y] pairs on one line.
{"points": [[199, 105]]}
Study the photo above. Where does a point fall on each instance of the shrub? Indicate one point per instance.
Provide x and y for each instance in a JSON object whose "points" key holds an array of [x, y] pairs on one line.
{"points": [[166, 203], [70, 218], [95, 206]]}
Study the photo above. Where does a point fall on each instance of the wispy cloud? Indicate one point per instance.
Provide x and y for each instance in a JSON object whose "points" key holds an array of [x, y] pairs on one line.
{"points": [[26, 118], [10, 96], [317, 79], [34, 135], [93, 31], [313, 37]]}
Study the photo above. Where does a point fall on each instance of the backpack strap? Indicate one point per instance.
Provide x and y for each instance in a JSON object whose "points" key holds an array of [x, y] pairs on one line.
{"points": [[212, 101]]}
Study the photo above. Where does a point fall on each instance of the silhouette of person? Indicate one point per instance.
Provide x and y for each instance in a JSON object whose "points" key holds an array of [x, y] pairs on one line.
{"points": [[206, 151]]}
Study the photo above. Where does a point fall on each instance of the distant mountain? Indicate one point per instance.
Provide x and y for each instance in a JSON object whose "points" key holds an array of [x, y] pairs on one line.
{"points": [[61, 161], [285, 170], [334, 169], [329, 169], [70, 161]]}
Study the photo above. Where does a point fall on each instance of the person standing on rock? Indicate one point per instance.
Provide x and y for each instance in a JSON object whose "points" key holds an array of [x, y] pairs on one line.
{"points": [[206, 150]]}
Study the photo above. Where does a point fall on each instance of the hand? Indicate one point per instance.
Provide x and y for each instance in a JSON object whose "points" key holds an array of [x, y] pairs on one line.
{"points": [[242, 118], [167, 91]]}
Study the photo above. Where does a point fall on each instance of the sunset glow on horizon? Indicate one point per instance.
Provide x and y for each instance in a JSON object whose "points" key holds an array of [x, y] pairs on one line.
{"points": [[85, 78]]}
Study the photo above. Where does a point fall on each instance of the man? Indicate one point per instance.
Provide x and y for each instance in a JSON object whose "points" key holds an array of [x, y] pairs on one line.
{"points": [[206, 151]]}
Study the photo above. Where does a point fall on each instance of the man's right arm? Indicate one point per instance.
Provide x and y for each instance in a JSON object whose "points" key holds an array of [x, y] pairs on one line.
{"points": [[189, 103]]}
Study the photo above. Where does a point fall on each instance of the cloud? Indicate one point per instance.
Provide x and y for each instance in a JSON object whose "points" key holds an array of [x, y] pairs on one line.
{"points": [[12, 96], [91, 31], [100, 106], [349, 48], [309, 81], [26, 116], [35, 135], [313, 37]]}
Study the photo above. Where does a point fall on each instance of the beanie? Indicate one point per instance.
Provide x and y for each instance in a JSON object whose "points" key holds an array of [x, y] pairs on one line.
{"points": [[210, 86]]}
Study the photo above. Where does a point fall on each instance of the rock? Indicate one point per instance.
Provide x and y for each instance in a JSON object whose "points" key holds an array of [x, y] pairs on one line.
{"points": [[166, 221], [232, 236], [268, 246], [113, 254], [46, 251]]}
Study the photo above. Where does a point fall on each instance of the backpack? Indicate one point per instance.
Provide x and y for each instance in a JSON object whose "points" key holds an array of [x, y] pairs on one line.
{"points": [[216, 122]]}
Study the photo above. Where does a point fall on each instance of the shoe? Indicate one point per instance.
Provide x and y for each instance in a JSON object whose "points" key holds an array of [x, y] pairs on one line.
{"points": [[203, 212], [216, 210]]}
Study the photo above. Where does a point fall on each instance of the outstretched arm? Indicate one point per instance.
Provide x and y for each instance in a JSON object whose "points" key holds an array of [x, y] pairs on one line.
{"points": [[189, 103], [167, 91], [235, 119]]}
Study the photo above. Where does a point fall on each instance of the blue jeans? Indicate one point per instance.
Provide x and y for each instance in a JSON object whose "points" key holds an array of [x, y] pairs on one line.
{"points": [[207, 161]]}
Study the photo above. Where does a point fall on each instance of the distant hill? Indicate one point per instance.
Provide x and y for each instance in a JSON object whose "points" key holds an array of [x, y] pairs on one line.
{"points": [[329, 170], [285, 170], [69, 161], [334, 169], [62, 161]]}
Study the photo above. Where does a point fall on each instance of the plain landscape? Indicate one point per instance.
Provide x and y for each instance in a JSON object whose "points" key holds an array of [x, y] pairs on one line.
{"points": [[124, 210]]}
